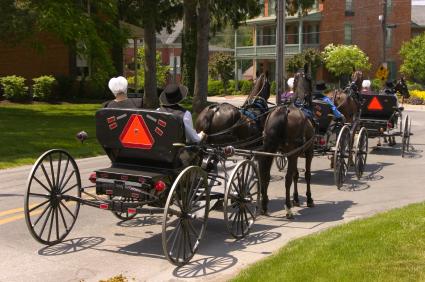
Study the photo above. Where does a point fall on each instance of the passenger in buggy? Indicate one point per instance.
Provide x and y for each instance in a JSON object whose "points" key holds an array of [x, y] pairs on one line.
{"points": [[286, 98], [366, 87], [319, 95], [118, 87], [169, 99], [389, 88]]}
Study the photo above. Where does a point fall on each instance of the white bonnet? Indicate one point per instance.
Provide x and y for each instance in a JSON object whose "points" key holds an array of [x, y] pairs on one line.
{"points": [[291, 82], [366, 83], [118, 85]]}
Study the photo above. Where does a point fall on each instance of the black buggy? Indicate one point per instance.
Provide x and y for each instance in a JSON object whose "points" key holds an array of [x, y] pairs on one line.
{"points": [[152, 171], [345, 144], [383, 118]]}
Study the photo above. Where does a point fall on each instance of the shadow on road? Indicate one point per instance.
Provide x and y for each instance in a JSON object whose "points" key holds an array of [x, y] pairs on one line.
{"points": [[71, 246], [205, 266]]}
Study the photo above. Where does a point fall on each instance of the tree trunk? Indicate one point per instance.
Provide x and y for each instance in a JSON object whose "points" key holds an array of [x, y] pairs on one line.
{"points": [[201, 71], [189, 44], [150, 97]]}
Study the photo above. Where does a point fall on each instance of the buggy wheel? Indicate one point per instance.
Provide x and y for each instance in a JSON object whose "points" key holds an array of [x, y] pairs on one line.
{"points": [[342, 156], [241, 199], [281, 163], [122, 215], [410, 133], [405, 137], [48, 213], [185, 215], [361, 147]]}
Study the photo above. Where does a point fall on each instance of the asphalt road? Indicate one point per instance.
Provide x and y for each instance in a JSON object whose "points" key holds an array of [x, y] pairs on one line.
{"points": [[100, 246]]}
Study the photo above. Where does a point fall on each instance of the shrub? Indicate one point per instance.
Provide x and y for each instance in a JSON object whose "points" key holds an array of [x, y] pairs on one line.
{"points": [[418, 94], [414, 86], [246, 87], [273, 88], [215, 87], [376, 84], [14, 88], [43, 87]]}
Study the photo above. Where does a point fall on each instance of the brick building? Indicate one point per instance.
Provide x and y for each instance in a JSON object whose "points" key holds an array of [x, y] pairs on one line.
{"points": [[334, 21]]}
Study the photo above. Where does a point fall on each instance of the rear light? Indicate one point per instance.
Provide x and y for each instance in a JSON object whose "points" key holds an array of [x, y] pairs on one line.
{"points": [[92, 177], [131, 210], [104, 206], [159, 186], [322, 141]]}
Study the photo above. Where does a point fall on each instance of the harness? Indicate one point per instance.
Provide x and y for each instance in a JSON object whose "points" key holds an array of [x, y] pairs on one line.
{"points": [[255, 110]]}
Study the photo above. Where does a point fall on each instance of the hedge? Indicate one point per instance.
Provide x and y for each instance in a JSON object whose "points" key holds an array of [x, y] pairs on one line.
{"points": [[14, 88], [43, 87]]}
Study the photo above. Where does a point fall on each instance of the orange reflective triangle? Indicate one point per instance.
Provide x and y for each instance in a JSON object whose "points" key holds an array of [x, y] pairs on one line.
{"points": [[136, 134], [375, 105]]}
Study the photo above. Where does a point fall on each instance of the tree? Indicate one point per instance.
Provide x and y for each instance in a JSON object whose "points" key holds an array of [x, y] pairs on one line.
{"points": [[312, 57], [162, 71], [340, 60], [413, 56], [221, 67], [202, 54]]}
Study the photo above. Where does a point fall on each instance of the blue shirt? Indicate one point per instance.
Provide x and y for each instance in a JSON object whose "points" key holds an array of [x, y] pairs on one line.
{"points": [[335, 111]]}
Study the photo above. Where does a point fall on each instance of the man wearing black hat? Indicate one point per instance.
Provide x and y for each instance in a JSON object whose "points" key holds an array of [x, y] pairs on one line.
{"points": [[169, 99], [319, 95], [389, 88]]}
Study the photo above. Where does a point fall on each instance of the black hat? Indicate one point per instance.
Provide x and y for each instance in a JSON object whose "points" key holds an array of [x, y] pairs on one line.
{"points": [[173, 94], [320, 85]]}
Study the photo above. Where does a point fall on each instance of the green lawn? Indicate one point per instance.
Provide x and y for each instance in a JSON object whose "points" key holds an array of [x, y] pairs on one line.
{"points": [[386, 247], [27, 130]]}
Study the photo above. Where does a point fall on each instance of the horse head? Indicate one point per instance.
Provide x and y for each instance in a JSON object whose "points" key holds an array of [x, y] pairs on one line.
{"points": [[401, 87], [261, 88], [302, 84]]}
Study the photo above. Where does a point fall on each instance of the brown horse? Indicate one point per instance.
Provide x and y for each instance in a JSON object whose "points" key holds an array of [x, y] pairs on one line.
{"points": [[225, 123], [347, 100], [288, 130]]}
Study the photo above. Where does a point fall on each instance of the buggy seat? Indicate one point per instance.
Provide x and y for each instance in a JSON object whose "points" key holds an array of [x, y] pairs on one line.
{"points": [[322, 113], [140, 137], [378, 107]]}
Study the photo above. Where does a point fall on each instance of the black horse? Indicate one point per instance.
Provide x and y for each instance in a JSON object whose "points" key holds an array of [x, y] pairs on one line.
{"points": [[288, 130], [225, 123]]}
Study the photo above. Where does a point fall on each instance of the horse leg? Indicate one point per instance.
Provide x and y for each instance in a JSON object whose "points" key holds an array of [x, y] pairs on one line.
{"points": [[308, 160], [264, 164], [296, 200], [292, 167]]}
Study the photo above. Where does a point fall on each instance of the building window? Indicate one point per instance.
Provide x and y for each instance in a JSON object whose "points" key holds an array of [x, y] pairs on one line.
{"points": [[272, 7], [348, 29], [392, 67], [349, 8], [389, 38], [263, 10], [82, 65], [174, 62], [389, 5]]}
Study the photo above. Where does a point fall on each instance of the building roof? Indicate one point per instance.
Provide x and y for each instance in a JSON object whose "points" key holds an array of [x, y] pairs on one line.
{"points": [[418, 15], [166, 38]]}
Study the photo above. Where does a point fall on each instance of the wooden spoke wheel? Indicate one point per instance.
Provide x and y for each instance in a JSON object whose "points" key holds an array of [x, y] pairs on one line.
{"points": [[342, 156], [410, 133], [281, 163], [123, 216], [405, 139], [185, 215], [241, 199], [360, 150], [49, 214]]}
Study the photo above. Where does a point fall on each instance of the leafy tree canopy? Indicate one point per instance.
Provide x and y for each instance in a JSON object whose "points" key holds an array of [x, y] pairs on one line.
{"points": [[413, 56], [342, 59], [221, 67], [308, 56]]}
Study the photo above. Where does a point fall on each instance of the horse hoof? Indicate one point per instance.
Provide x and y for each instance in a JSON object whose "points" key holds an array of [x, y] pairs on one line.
{"points": [[289, 215], [310, 204], [296, 203]]}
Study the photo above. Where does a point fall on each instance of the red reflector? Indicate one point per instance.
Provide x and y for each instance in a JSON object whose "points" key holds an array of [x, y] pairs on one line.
{"points": [[104, 206], [92, 177], [159, 186], [375, 105], [322, 141], [136, 134], [131, 210], [109, 192]]}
